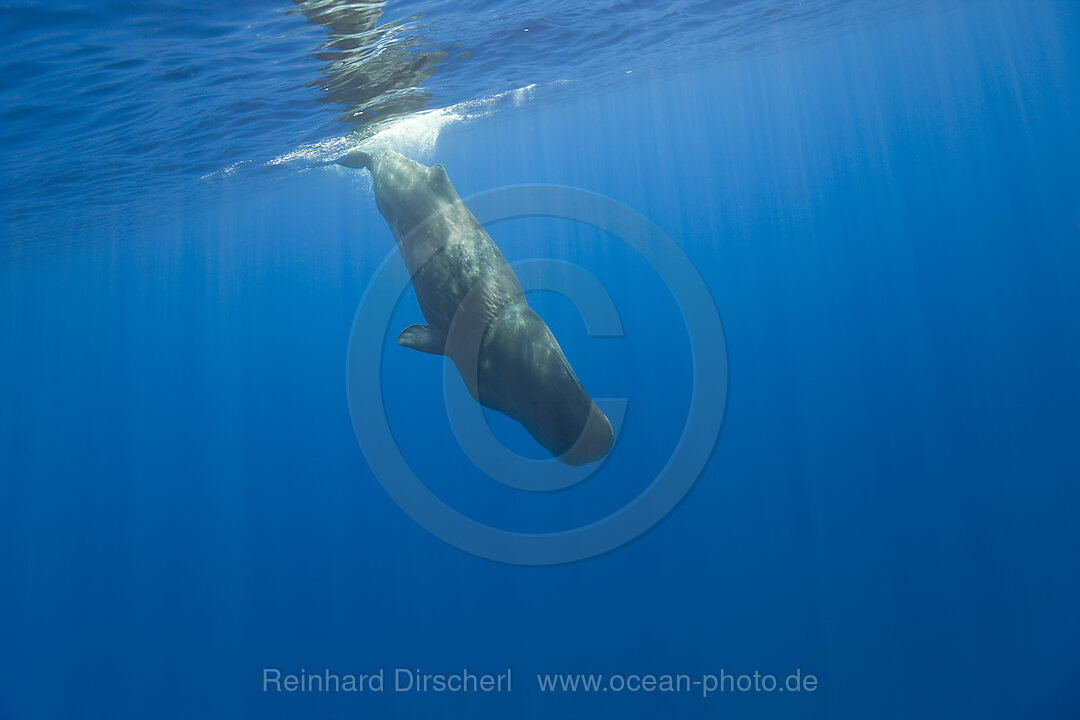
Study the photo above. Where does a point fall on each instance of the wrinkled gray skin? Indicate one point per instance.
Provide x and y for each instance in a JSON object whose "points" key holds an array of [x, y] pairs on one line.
{"points": [[476, 310]]}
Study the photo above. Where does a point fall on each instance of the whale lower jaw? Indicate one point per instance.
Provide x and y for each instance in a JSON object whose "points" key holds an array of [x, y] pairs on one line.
{"points": [[595, 442]]}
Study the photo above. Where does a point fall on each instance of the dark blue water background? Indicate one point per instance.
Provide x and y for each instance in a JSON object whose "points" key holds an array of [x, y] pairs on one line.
{"points": [[884, 200]]}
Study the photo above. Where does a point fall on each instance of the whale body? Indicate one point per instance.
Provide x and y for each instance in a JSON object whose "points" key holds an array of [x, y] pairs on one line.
{"points": [[476, 310]]}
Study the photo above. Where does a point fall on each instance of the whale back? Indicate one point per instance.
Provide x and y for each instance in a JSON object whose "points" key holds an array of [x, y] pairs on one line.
{"points": [[410, 195], [449, 255]]}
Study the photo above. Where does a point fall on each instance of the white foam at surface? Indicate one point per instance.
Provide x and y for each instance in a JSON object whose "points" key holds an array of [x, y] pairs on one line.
{"points": [[414, 136]]}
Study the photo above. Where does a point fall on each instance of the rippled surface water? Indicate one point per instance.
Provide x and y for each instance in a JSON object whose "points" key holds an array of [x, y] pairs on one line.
{"points": [[106, 104]]}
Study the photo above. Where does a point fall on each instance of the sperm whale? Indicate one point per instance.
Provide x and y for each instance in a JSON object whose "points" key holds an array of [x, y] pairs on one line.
{"points": [[476, 311]]}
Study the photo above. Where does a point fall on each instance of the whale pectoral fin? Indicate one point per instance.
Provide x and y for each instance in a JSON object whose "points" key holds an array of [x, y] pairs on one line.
{"points": [[422, 338]]}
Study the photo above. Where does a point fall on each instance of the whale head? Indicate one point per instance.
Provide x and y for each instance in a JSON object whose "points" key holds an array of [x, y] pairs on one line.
{"points": [[523, 373]]}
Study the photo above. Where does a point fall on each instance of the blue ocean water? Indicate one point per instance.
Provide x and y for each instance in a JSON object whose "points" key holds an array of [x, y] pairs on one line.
{"points": [[883, 199]]}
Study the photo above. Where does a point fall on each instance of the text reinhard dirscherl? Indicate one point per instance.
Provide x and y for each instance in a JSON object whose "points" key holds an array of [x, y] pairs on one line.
{"points": [[400, 680], [414, 680]]}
